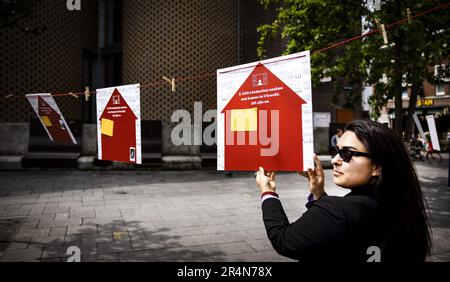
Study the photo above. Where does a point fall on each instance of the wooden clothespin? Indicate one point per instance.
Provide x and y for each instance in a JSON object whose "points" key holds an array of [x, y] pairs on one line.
{"points": [[383, 32], [408, 13], [171, 82], [87, 93], [73, 95]]}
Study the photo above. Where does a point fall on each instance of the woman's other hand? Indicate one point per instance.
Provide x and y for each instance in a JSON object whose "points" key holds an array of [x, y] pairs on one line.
{"points": [[265, 180], [316, 179]]}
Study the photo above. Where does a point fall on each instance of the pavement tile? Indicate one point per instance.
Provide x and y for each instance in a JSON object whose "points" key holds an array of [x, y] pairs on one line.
{"points": [[55, 210], [219, 213], [58, 231], [108, 213], [183, 231], [72, 239], [90, 221], [96, 238], [62, 216], [111, 228], [29, 224], [138, 256], [208, 239], [228, 248], [86, 214], [149, 245], [137, 235], [80, 209], [182, 254], [195, 222], [444, 257], [32, 233], [54, 253], [246, 257], [59, 223], [81, 229], [93, 257], [32, 253], [260, 244], [213, 229], [127, 212], [87, 248], [259, 233], [273, 256], [441, 237], [179, 241], [17, 244], [49, 240], [234, 236], [114, 247]]}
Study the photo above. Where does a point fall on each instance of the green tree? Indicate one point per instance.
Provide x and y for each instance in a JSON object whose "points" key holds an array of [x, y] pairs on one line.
{"points": [[413, 46]]}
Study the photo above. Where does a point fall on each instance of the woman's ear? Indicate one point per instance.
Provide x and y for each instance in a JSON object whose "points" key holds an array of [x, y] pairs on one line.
{"points": [[376, 170]]}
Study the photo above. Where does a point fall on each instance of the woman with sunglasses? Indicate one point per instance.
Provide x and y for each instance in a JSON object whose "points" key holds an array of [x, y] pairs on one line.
{"points": [[384, 210]]}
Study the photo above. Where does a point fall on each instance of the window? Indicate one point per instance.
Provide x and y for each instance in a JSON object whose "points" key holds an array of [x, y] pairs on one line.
{"points": [[441, 73], [110, 38], [440, 90], [405, 94]]}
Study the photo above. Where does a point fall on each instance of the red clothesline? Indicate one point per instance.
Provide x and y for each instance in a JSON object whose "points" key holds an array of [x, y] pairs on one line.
{"points": [[441, 7], [334, 45]]}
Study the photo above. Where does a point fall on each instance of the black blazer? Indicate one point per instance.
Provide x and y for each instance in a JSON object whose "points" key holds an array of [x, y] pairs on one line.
{"points": [[336, 229]]}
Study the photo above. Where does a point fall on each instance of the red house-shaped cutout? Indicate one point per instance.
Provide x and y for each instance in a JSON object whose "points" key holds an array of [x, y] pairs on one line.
{"points": [[279, 97], [121, 146], [56, 126]]}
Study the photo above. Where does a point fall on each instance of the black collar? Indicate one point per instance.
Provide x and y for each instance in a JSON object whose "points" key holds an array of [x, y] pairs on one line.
{"points": [[367, 190]]}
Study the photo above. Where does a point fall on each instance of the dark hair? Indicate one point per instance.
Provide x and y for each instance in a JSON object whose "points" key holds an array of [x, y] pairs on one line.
{"points": [[402, 205]]}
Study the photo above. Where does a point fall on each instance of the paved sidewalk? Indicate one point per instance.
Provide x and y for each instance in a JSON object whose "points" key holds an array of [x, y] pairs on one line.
{"points": [[163, 215]]}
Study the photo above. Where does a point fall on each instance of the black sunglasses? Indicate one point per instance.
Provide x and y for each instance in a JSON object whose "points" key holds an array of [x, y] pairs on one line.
{"points": [[346, 154]]}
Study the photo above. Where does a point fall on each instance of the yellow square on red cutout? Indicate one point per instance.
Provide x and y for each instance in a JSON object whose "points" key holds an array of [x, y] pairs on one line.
{"points": [[107, 127]]}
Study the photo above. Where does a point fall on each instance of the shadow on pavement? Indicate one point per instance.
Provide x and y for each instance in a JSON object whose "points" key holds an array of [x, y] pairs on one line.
{"points": [[107, 242]]}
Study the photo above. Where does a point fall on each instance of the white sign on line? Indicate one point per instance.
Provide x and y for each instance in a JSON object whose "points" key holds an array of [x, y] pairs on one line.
{"points": [[433, 133]]}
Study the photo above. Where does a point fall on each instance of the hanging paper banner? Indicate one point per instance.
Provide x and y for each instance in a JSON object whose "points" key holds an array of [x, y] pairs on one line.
{"points": [[119, 124], [51, 118], [419, 126], [433, 133], [264, 114]]}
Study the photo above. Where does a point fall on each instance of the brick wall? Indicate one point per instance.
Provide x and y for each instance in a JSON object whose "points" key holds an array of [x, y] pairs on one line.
{"points": [[177, 39], [52, 61]]}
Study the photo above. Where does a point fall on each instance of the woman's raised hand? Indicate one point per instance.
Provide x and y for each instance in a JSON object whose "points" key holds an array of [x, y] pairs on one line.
{"points": [[265, 180], [316, 179]]}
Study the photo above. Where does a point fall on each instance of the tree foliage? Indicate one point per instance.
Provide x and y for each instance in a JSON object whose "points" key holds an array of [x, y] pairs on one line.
{"points": [[413, 47]]}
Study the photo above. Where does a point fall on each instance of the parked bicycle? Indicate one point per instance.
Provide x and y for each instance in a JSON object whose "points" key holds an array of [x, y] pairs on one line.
{"points": [[432, 155], [416, 153], [416, 150]]}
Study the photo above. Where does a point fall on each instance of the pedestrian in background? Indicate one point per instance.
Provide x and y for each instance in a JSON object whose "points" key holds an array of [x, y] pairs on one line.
{"points": [[335, 138]]}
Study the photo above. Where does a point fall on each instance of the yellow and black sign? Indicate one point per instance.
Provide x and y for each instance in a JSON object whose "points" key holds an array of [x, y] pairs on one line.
{"points": [[425, 102]]}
